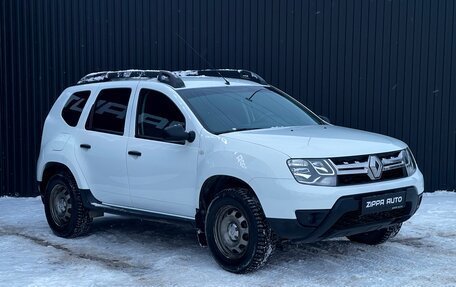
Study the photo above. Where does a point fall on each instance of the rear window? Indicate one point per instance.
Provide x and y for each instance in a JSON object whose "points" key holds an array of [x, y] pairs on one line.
{"points": [[73, 108], [109, 111]]}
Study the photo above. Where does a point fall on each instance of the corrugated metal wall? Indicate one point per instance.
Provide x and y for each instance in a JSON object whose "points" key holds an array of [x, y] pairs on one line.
{"points": [[382, 66]]}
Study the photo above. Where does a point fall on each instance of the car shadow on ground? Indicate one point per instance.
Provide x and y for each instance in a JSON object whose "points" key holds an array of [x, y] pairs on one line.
{"points": [[146, 231], [183, 236]]}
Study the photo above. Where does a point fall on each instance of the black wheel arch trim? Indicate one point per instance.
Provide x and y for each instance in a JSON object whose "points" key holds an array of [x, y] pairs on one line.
{"points": [[211, 187], [51, 168]]}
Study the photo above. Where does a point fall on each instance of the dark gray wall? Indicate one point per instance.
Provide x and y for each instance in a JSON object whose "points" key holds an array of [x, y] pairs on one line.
{"points": [[382, 66]]}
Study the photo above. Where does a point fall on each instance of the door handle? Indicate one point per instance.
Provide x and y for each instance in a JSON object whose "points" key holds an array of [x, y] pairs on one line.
{"points": [[134, 152], [85, 146]]}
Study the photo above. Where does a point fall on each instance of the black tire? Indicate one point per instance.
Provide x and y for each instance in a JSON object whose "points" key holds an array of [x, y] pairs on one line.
{"points": [[67, 218], [238, 210], [377, 236]]}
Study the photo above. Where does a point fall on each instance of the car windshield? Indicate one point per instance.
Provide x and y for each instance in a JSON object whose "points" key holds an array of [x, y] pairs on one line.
{"points": [[230, 109]]}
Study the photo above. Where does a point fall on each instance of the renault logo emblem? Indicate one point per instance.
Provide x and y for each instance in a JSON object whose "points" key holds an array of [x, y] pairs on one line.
{"points": [[375, 167]]}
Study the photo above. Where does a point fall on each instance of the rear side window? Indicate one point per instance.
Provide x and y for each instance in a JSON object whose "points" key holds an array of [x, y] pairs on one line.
{"points": [[156, 112], [109, 111], [74, 106]]}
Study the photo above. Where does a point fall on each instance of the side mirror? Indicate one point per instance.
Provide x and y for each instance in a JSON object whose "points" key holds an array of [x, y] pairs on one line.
{"points": [[178, 133], [326, 119]]}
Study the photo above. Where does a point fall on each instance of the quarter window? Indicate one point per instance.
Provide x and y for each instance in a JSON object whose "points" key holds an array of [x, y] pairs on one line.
{"points": [[74, 106], [109, 111], [156, 112]]}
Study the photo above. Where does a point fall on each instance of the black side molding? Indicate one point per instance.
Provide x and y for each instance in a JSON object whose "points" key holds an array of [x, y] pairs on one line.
{"points": [[91, 203]]}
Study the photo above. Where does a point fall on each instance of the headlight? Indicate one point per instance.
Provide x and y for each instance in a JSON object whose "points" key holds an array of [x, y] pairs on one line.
{"points": [[410, 163], [313, 171]]}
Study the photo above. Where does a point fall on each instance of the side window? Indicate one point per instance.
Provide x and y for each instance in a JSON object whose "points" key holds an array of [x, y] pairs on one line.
{"points": [[156, 112], [109, 111], [74, 106]]}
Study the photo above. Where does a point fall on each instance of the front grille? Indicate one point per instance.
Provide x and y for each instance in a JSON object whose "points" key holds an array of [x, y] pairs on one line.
{"points": [[349, 159], [349, 179], [354, 218], [355, 169]]}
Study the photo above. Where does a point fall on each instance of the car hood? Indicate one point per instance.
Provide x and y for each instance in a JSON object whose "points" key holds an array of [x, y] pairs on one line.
{"points": [[319, 141]]}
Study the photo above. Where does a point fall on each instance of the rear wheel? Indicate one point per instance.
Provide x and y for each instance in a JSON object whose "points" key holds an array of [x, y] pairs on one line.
{"points": [[377, 236], [63, 206], [237, 233]]}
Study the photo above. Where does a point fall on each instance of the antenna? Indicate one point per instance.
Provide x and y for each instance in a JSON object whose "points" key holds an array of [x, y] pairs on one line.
{"points": [[198, 54]]}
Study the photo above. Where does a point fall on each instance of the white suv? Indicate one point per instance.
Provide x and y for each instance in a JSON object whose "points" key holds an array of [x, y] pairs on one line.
{"points": [[242, 161]]}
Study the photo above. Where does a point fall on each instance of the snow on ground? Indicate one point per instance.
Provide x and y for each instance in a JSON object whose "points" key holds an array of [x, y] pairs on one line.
{"points": [[128, 252]]}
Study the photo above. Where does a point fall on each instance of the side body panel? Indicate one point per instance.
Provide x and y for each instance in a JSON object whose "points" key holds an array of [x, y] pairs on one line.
{"points": [[58, 141]]}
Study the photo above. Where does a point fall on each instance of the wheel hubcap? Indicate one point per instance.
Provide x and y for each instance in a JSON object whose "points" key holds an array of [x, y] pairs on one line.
{"points": [[231, 232], [60, 204]]}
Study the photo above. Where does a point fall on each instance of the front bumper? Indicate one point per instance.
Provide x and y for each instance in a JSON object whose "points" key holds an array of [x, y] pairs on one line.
{"points": [[344, 218], [280, 198]]}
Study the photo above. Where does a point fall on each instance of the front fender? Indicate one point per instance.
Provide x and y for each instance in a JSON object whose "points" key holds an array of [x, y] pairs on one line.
{"points": [[243, 160]]}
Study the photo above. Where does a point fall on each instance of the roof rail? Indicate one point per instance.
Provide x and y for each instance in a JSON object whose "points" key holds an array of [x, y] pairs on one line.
{"points": [[162, 76], [232, 73], [171, 78]]}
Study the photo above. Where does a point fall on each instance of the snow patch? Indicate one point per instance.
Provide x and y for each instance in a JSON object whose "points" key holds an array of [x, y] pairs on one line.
{"points": [[130, 252], [185, 73]]}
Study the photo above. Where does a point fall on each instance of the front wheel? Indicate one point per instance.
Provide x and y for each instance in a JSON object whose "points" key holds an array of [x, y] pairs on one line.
{"points": [[237, 232], [377, 236]]}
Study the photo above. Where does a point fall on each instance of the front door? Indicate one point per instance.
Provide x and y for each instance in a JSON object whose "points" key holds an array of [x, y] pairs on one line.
{"points": [[162, 174]]}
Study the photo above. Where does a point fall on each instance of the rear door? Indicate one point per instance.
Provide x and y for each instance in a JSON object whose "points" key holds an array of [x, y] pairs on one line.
{"points": [[162, 174], [102, 146]]}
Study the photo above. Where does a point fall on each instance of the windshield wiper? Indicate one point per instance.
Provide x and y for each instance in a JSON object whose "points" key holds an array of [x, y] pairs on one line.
{"points": [[240, 130]]}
